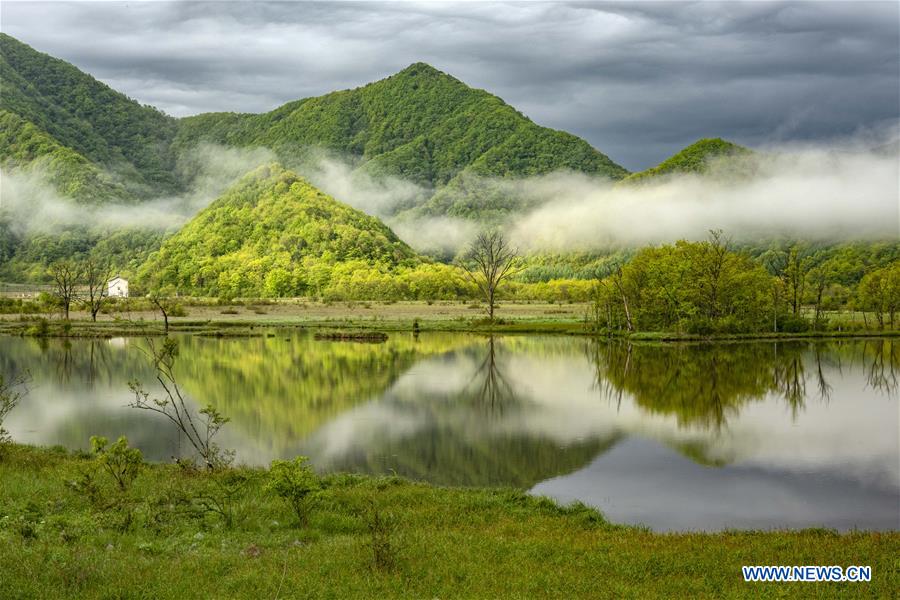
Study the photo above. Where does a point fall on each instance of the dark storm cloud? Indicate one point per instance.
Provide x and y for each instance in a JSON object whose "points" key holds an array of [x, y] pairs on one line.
{"points": [[638, 80]]}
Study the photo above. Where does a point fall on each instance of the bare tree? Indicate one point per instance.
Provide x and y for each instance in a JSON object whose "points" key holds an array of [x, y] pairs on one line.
{"points": [[712, 261], [11, 392], [819, 277], [489, 261], [163, 305], [200, 427], [66, 275], [97, 275]]}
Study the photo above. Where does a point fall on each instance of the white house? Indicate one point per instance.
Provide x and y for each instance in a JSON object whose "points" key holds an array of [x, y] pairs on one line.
{"points": [[118, 287]]}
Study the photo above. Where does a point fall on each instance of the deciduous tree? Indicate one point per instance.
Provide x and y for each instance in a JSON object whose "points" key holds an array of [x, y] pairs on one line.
{"points": [[66, 276], [489, 262]]}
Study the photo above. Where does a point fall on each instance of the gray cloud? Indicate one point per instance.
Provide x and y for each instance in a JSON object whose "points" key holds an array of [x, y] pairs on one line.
{"points": [[638, 80]]}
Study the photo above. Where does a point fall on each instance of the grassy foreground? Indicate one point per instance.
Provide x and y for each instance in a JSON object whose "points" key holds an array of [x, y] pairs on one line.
{"points": [[58, 540]]}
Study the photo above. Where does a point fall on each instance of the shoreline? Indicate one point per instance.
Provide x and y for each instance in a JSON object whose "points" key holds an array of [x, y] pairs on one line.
{"points": [[261, 326]]}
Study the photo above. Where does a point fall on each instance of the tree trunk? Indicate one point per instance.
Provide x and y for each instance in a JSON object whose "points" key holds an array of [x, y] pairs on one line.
{"points": [[818, 307], [628, 322], [491, 305]]}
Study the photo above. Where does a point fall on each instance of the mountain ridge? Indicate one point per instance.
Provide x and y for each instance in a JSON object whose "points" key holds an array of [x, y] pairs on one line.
{"points": [[419, 124]]}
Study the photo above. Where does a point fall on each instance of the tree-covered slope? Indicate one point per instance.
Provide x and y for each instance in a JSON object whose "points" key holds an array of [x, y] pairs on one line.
{"points": [[699, 157], [87, 116], [271, 234], [24, 145], [420, 124]]}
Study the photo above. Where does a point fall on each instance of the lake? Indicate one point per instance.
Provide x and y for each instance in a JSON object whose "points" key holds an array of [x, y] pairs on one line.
{"points": [[676, 437]]}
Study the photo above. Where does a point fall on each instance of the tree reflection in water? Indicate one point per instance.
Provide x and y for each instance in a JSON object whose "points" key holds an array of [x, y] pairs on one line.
{"points": [[883, 363], [705, 384], [489, 388]]}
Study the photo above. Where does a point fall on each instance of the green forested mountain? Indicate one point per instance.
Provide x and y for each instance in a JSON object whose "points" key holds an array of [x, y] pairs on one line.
{"points": [[272, 234], [87, 117], [420, 124], [95, 145], [696, 158]]}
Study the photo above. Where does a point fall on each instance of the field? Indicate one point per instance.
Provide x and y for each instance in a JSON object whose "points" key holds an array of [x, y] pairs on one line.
{"points": [[208, 317], [60, 538]]}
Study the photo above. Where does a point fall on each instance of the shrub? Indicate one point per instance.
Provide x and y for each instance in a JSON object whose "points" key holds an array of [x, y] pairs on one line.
{"points": [[381, 528], [793, 324], [10, 396], [121, 462], [296, 483]]}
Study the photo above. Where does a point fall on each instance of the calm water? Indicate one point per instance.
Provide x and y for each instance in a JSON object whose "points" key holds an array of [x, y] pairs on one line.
{"points": [[749, 435]]}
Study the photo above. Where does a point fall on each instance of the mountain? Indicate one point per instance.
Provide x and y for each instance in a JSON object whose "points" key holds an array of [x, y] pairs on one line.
{"points": [[271, 234], [699, 157], [420, 125], [87, 117], [94, 145]]}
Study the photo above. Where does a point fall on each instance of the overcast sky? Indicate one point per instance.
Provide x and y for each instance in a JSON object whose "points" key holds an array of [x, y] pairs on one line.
{"points": [[637, 80]]}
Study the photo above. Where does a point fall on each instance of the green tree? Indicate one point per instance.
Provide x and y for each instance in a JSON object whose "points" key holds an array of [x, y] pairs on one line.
{"points": [[879, 292]]}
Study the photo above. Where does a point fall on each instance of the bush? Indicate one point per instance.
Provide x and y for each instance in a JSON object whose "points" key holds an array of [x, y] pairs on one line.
{"points": [[296, 483], [793, 324], [9, 398], [382, 527], [121, 462]]}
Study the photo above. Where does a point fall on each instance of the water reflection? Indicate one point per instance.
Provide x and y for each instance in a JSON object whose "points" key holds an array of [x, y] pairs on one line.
{"points": [[676, 435], [706, 384]]}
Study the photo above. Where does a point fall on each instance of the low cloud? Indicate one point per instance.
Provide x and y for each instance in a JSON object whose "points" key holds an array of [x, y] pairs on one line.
{"points": [[33, 206], [805, 193], [339, 177], [442, 237], [387, 197]]}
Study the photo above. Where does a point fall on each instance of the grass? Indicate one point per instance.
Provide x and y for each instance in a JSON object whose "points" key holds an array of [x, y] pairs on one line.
{"points": [[410, 316], [445, 542]]}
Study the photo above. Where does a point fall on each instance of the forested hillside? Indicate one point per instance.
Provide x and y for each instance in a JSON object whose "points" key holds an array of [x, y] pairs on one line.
{"points": [[272, 234], [89, 117], [421, 125], [699, 158], [24, 145]]}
